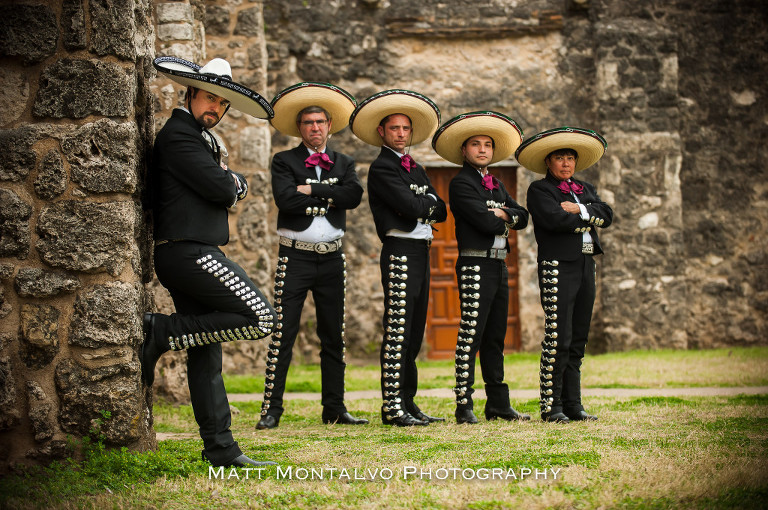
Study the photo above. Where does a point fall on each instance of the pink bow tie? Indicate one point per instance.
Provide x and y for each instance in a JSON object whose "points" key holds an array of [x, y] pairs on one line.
{"points": [[320, 159], [407, 162], [490, 182], [568, 186]]}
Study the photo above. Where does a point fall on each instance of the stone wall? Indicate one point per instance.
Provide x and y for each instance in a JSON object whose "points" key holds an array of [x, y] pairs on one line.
{"points": [[73, 242]]}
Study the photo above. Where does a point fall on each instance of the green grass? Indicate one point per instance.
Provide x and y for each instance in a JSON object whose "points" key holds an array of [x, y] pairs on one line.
{"points": [[634, 370], [645, 452]]}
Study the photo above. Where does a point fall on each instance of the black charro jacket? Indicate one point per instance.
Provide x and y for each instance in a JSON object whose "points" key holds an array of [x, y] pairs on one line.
{"points": [[191, 192], [339, 189], [398, 199], [559, 233], [476, 226]]}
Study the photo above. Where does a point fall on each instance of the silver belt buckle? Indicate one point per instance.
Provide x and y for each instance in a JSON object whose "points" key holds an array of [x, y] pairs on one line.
{"points": [[323, 247], [587, 248]]}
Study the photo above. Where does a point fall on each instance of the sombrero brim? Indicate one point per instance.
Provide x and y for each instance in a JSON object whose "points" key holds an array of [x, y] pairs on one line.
{"points": [[424, 115], [240, 97], [505, 133], [288, 103], [589, 146]]}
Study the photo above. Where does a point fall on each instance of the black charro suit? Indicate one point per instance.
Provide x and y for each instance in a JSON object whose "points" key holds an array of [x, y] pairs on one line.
{"points": [[402, 200], [483, 284], [300, 270], [567, 286], [215, 300]]}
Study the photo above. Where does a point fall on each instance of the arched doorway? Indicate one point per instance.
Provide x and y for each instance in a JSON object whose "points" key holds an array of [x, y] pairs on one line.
{"points": [[444, 313]]}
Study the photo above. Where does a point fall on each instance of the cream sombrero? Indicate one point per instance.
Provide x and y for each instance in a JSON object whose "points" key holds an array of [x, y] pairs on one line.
{"points": [[288, 103], [215, 77], [423, 112], [504, 131], [589, 145]]}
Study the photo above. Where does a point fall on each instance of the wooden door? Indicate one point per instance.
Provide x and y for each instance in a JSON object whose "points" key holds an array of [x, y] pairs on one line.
{"points": [[444, 313]]}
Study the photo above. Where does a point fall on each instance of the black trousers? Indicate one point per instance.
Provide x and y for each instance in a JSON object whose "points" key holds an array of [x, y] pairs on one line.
{"points": [[567, 291], [405, 279], [484, 296], [298, 272], [215, 302]]}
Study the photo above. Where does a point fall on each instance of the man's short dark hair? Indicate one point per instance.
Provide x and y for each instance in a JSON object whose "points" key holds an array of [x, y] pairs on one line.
{"points": [[563, 152], [313, 109], [385, 119], [493, 142]]}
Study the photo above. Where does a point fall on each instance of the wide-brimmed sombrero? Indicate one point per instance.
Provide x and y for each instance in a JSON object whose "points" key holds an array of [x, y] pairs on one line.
{"points": [[215, 77], [504, 131], [423, 112], [288, 103], [589, 146]]}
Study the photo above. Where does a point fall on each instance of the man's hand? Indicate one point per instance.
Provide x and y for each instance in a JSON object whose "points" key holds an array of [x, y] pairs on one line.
{"points": [[304, 188], [500, 213], [571, 207]]}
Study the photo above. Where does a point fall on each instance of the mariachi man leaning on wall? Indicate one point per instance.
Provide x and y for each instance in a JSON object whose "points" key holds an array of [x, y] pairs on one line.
{"points": [[215, 300]]}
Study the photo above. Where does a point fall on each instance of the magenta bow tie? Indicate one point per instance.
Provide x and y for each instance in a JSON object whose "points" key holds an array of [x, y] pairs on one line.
{"points": [[568, 186], [407, 162], [490, 182], [320, 159]]}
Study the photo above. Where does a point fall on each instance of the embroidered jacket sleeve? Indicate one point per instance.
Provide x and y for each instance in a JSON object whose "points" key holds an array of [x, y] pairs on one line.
{"points": [[544, 201], [284, 183], [346, 192], [188, 159], [409, 200]]}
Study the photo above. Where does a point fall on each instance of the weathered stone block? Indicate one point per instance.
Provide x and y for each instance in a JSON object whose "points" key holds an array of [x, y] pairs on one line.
{"points": [[78, 88], [217, 20], [37, 282], [103, 157], [6, 271], [90, 237], [250, 22], [169, 12], [5, 307], [113, 28], [56, 449], [18, 157], [108, 394], [40, 415], [14, 225], [51, 180], [14, 94], [9, 407], [28, 31], [107, 315], [175, 32], [39, 335], [73, 24]]}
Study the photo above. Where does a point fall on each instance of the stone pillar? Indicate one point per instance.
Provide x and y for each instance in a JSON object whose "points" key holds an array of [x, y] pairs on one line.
{"points": [[641, 280], [200, 32], [73, 243]]}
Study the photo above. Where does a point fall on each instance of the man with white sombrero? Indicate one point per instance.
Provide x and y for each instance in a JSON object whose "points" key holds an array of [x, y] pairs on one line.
{"points": [[313, 187], [404, 206], [215, 300], [566, 214], [485, 214]]}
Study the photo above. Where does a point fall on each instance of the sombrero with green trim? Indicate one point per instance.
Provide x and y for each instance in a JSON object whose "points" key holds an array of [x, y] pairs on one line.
{"points": [[423, 112], [589, 146], [215, 77], [290, 101], [504, 131]]}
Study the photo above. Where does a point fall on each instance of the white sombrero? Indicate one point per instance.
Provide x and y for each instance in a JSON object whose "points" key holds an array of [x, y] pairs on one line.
{"points": [[504, 131], [288, 103], [215, 77], [589, 146], [424, 115]]}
